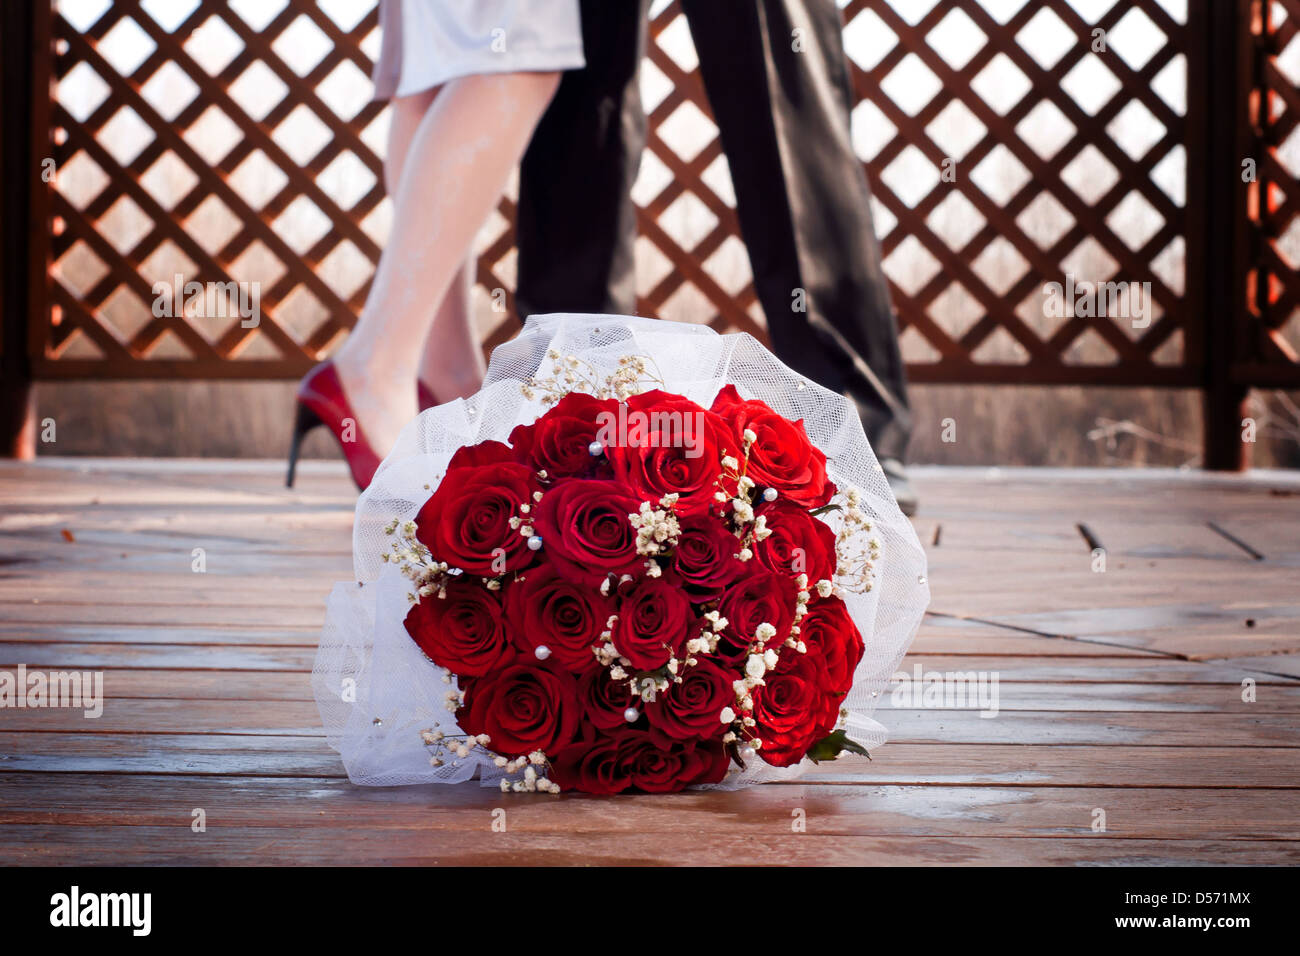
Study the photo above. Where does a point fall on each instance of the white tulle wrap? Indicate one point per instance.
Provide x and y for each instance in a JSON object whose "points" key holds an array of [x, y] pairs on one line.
{"points": [[377, 691]]}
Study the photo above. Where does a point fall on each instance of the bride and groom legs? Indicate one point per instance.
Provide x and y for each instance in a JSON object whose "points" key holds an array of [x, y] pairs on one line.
{"points": [[777, 80]]}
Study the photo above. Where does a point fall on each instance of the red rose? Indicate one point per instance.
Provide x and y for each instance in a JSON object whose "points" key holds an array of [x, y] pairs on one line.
{"points": [[782, 457], [833, 642], [663, 444], [704, 560], [790, 710], [462, 632], [546, 609], [653, 621], [526, 707], [693, 707], [658, 765], [605, 700], [466, 522], [639, 760], [595, 766], [764, 597], [798, 544], [484, 453], [585, 529], [559, 441]]}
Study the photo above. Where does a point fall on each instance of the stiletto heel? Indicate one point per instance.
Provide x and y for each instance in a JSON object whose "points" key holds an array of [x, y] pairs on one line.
{"points": [[304, 422], [321, 401]]}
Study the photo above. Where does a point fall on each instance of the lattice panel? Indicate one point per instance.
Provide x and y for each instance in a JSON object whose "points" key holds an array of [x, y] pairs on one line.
{"points": [[222, 144], [1270, 345], [1062, 127], [234, 142]]}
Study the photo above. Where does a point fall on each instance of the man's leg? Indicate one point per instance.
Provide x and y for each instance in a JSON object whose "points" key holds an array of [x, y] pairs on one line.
{"points": [[576, 222], [779, 87]]}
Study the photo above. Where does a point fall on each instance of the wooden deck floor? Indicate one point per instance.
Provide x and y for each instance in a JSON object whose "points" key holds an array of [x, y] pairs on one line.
{"points": [[1120, 691]]}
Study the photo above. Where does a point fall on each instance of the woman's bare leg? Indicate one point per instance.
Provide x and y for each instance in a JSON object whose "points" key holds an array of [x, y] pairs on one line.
{"points": [[452, 364], [407, 111], [460, 155], [452, 361]]}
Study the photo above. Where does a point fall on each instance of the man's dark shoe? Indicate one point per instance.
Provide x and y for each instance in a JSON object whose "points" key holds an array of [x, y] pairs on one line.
{"points": [[903, 491]]}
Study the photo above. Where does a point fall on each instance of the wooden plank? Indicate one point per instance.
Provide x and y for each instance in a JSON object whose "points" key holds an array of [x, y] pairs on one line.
{"points": [[1274, 664], [247, 685], [93, 801], [304, 846], [249, 756], [98, 588], [1072, 728], [1198, 631], [188, 717], [1001, 765], [1103, 697], [1117, 765], [1051, 585], [1013, 695], [90, 656], [943, 634], [1146, 669], [300, 718], [128, 555], [1020, 685], [156, 635], [309, 614]]}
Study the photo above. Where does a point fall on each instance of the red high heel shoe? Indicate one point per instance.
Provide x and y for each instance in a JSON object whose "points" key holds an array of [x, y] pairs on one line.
{"points": [[424, 395], [321, 402]]}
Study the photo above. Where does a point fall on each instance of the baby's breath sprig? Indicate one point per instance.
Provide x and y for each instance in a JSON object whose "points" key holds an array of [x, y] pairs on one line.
{"points": [[416, 562], [443, 747], [523, 523], [535, 767], [706, 642], [635, 374], [741, 734], [855, 559], [657, 531], [748, 527]]}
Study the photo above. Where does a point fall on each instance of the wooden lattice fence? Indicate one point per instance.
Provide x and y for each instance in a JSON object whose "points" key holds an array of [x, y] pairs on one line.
{"points": [[1011, 145]]}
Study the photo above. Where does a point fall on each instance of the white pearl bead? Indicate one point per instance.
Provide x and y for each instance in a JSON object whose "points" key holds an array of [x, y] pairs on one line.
{"points": [[748, 753], [535, 542], [631, 715], [542, 652], [769, 494], [596, 449]]}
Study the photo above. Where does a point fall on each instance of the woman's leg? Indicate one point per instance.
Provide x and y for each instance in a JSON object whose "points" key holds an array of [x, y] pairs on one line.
{"points": [[407, 111], [452, 363], [460, 155]]}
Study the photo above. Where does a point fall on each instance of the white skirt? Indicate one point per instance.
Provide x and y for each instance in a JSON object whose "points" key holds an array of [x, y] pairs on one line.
{"points": [[428, 42]]}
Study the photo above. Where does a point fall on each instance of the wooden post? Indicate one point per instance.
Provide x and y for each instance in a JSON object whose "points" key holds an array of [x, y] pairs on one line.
{"points": [[25, 201], [1224, 86]]}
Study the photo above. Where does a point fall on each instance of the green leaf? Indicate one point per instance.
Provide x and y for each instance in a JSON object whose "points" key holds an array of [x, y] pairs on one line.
{"points": [[828, 748], [824, 509]]}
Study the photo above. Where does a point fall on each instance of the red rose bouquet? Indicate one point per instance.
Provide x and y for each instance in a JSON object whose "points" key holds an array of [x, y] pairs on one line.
{"points": [[616, 587]]}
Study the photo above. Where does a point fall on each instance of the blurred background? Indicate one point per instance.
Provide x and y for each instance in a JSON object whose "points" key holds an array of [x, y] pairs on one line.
{"points": [[1010, 143]]}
